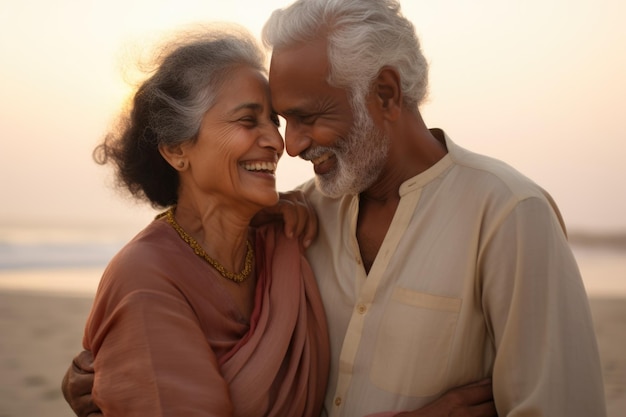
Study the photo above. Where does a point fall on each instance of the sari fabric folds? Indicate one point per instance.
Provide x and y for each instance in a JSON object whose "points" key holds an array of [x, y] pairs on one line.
{"points": [[169, 340]]}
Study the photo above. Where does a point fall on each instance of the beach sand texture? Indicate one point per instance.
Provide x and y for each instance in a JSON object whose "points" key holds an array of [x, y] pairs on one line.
{"points": [[40, 333]]}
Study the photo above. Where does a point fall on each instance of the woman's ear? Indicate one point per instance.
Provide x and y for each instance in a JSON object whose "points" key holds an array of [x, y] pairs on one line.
{"points": [[175, 156], [388, 93]]}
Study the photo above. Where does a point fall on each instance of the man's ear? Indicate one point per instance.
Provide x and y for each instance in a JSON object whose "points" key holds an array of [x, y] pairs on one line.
{"points": [[174, 155], [388, 92]]}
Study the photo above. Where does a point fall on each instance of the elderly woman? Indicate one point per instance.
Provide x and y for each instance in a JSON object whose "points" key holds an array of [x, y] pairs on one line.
{"points": [[201, 314]]}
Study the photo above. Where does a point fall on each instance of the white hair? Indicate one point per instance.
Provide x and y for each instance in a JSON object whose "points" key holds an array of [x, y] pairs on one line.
{"points": [[363, 36]]}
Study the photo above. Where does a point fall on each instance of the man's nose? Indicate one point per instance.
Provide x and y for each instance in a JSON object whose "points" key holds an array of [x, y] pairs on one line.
{"points": [[297, 139]]}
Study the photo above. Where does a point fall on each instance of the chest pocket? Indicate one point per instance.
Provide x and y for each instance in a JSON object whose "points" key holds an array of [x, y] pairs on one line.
{"points": [[414, 342]]}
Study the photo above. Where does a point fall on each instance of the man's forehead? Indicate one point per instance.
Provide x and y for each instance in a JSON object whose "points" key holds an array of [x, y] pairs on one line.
{"points": [[300, 55]]}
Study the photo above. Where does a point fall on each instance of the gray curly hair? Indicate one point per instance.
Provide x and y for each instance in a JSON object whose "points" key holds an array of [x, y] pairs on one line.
{"points": [[168, 107]]}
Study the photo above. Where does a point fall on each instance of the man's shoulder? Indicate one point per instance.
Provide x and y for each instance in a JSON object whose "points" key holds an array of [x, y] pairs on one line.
{"points": [[330, 210], [308, 186], [313, 194], [493, 174]]}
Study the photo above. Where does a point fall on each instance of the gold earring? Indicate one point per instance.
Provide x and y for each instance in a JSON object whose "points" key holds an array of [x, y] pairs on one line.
{"points": [[181, 164]]}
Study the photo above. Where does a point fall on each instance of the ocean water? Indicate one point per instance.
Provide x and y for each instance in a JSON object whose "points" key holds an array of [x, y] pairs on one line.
{"points": [[70, 260], [66, 260]]}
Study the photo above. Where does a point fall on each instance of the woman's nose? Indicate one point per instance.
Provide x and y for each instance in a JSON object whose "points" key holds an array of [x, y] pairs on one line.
{"points": [[271, 138]]}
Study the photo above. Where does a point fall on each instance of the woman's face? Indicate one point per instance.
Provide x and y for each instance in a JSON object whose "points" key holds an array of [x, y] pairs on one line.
{"points": [[234, 158]]}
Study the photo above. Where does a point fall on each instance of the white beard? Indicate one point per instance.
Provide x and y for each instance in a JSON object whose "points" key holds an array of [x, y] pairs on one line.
{"points": [[360, 158]]}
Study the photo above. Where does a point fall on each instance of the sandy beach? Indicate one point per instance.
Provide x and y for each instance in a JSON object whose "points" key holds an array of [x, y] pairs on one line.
{"points": [[41, 332], [40, 335]]}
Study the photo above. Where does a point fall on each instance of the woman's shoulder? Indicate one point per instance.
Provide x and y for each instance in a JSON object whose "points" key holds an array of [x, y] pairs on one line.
{"points": [[148, 246], [144, 262]]}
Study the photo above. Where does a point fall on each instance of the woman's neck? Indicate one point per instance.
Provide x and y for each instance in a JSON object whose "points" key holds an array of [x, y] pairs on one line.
{"points": [[222, 233]]}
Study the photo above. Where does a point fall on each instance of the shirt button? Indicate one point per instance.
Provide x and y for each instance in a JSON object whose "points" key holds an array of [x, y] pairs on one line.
{"points": [[338, 401], [361, 308]]}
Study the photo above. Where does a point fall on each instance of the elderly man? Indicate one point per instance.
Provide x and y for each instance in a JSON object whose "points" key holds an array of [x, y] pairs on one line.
{"points": [[437, 266]]}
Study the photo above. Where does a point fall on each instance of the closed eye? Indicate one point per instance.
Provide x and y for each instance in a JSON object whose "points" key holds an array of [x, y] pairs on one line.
{"points": [[249, 121], [275, 119], [307, 119]]}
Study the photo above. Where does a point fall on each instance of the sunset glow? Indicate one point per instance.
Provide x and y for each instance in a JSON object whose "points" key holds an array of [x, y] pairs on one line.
{"points": [[539, 84]]}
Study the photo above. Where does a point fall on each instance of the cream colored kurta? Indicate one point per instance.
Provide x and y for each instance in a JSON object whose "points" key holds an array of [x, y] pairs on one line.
{"points": [[475, 278]]}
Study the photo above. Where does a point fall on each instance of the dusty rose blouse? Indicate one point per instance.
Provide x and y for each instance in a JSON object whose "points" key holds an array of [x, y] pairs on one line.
{"points": [[169, 341]]}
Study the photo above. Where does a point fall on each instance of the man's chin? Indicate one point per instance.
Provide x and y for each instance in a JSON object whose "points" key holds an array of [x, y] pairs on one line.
{"points": [[327, 188], [330, 185]]}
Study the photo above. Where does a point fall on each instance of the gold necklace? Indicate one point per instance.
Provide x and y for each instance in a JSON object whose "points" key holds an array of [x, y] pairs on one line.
{"points": [[198, 250]]}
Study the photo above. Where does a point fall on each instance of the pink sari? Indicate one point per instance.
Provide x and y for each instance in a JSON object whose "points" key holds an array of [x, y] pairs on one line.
{"points": [[285, 303], [168, 342]]}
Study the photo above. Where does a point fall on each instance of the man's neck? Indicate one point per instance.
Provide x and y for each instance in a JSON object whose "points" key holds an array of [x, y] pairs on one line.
{"points": [[414, 149]]}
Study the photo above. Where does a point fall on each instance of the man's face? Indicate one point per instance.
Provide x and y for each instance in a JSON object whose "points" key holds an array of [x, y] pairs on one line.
{"points": [[346, 148]]}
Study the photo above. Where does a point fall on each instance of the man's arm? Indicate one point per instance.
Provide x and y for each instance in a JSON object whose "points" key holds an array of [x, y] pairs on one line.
{"points": [[535, 304], [77, 385], [472, 400]]}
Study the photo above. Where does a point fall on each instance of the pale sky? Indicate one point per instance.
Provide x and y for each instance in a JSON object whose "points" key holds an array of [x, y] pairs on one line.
{"points": [[540, 84]]}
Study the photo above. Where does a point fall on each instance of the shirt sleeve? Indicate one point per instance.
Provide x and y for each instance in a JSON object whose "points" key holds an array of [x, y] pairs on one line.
{"points": [[547, 360], [151, 358]]}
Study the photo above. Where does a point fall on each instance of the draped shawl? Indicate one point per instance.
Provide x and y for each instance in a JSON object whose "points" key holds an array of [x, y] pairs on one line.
{"points": [[168, 339]]}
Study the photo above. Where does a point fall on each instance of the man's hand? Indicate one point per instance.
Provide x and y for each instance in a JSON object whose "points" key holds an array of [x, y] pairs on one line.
{"points": [[77, 385], [472, 400], [297, 214]]}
